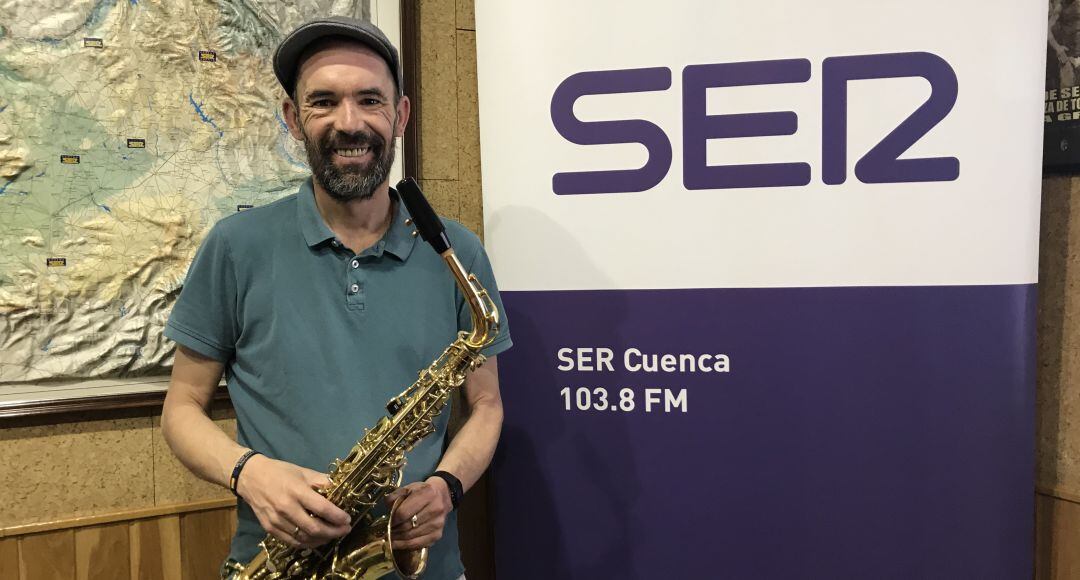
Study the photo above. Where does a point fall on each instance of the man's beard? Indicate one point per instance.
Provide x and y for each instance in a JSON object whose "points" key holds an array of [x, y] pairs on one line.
{"points": [[353, 181]]}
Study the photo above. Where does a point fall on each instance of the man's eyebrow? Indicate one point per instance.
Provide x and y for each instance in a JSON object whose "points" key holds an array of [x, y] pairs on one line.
{"points": [[318, 94], [373, 91]]}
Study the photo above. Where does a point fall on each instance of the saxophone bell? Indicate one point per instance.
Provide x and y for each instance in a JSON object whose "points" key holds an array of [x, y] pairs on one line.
{"points": [[409, 564]]}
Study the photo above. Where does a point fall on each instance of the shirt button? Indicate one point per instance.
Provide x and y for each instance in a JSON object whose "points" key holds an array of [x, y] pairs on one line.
{"points": [[335, 243], [354, 289], [355, 264]]}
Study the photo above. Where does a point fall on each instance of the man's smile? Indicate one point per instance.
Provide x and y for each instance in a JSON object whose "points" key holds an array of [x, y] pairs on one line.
{"points": [[353, 153]]}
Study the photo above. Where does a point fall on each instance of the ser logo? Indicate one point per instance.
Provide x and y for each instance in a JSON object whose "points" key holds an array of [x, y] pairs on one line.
{"points": [[881, 164]]}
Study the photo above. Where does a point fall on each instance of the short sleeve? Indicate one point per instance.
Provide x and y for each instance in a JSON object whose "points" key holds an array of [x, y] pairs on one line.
{"points": [[204, 317], [481, 267]]}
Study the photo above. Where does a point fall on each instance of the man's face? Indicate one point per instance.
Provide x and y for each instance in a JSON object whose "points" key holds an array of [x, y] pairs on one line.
{"points": [[345, 113]]}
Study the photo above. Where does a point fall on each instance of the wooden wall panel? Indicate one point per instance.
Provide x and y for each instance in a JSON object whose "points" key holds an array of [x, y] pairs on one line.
{"points": [[1058, 388], [155, 549], [142, 544], [1057, 539], [450, 166], [102, 552], [204, 543], [9, 559], [48, 556]]}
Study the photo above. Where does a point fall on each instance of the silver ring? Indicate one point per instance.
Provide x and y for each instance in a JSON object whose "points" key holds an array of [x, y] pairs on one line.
{"points": [[415, 521], [296, 532]]}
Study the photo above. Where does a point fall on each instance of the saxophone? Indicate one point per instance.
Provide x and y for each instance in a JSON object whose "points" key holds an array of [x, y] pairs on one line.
{"points": [[373, 468]]}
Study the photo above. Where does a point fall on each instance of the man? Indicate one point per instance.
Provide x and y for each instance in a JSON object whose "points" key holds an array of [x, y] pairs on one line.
{"points": [[323, 306]]}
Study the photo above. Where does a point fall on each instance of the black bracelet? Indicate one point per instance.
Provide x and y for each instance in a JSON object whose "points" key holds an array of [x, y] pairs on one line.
{"points": [[235, 477], [454, 484]]}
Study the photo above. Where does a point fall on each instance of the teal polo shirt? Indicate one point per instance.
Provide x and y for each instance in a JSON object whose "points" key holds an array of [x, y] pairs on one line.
{"points": [[316, 339]]}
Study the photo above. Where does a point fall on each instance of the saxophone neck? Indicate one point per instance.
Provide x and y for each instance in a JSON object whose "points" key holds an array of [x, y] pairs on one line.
{"points": [[485, 316]]}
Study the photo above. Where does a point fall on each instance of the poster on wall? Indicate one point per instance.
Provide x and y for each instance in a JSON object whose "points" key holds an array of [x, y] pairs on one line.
{"points": [[1061, 144], [771, 280]]}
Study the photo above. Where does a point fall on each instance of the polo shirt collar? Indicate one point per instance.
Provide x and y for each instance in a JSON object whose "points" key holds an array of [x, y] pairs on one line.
{"points": [[398, 239], [312, 225]]}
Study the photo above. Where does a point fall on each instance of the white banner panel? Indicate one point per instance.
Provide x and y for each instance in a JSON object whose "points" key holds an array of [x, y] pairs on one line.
{"points": [[974, 229]]}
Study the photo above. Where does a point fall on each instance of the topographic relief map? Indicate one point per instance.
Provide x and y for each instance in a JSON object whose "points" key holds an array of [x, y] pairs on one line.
{"points": [[127, 128]]}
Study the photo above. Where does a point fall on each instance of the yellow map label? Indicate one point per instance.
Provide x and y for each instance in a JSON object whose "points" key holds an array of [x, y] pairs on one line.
{"points": [[136, 143], [69, 159], [56, 262], [93, 43], [207, 56]]}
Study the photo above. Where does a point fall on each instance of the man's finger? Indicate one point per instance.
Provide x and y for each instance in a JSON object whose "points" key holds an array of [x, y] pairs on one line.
{"points": [[400, 492], [428, 519], [421, 542], [324, 509], [411, 506], [427, 512], [284, 537], [313, 529], [316, 479], [419, 531], [407, 525]]}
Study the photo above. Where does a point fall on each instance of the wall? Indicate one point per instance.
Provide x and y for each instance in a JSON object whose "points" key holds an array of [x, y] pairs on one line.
{"points": [[450, 124], [1057, 552], [450, 171]]}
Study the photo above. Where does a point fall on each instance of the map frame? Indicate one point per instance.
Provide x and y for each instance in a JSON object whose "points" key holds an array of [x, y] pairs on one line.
{"points": [[50, 399]]}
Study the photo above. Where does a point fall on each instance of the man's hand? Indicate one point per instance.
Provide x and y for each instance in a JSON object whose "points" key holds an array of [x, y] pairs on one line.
{"points": [[429, 501], [283, 497]]}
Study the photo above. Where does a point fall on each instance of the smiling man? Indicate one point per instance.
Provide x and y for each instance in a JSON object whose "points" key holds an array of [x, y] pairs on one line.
{"points": [[323, 306]]}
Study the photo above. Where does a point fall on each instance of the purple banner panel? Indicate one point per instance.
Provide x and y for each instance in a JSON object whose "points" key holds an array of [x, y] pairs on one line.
{"points": [[874, 432]]}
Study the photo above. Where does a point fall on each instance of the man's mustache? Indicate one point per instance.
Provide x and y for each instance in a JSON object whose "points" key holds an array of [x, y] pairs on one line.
{"points": [[341, 140]]}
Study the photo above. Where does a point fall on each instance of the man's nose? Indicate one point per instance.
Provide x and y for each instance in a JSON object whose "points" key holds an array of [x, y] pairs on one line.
{"points": [[349, 118]]}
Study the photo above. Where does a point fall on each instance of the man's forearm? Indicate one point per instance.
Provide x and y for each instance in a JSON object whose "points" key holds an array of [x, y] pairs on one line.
{"points": [[198, 442], [474, 444]]}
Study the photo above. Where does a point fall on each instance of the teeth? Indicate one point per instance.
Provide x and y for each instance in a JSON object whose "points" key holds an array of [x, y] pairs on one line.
{"points": [[351, 152]]}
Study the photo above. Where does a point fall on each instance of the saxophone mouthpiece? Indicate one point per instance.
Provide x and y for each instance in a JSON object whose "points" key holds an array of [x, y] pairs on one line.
{"points": [[427, 221]]}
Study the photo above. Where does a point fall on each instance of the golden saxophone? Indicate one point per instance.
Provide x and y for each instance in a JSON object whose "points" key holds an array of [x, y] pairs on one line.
{"points": [[373, 468]]}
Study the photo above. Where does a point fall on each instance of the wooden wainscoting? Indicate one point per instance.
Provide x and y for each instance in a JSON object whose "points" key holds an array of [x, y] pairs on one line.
{"points": [[180, 542], [1057, 535]]}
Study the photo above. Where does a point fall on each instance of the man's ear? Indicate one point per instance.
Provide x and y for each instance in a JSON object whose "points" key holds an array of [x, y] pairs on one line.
{"points": [[292, 118], [404, 107]]}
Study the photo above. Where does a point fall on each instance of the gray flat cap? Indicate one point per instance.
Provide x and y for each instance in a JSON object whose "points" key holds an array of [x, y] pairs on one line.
{"points": [[287, 55]]}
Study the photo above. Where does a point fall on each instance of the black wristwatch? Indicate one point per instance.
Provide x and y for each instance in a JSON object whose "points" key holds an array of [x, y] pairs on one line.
{"points": [[454, 484]]}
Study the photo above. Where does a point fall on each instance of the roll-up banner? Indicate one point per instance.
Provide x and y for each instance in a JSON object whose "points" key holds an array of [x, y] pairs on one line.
{"points": [[770, 272]]}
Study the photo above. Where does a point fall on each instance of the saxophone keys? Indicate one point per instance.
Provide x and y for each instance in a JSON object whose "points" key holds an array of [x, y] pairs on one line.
{"points": [[393, 406]]}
